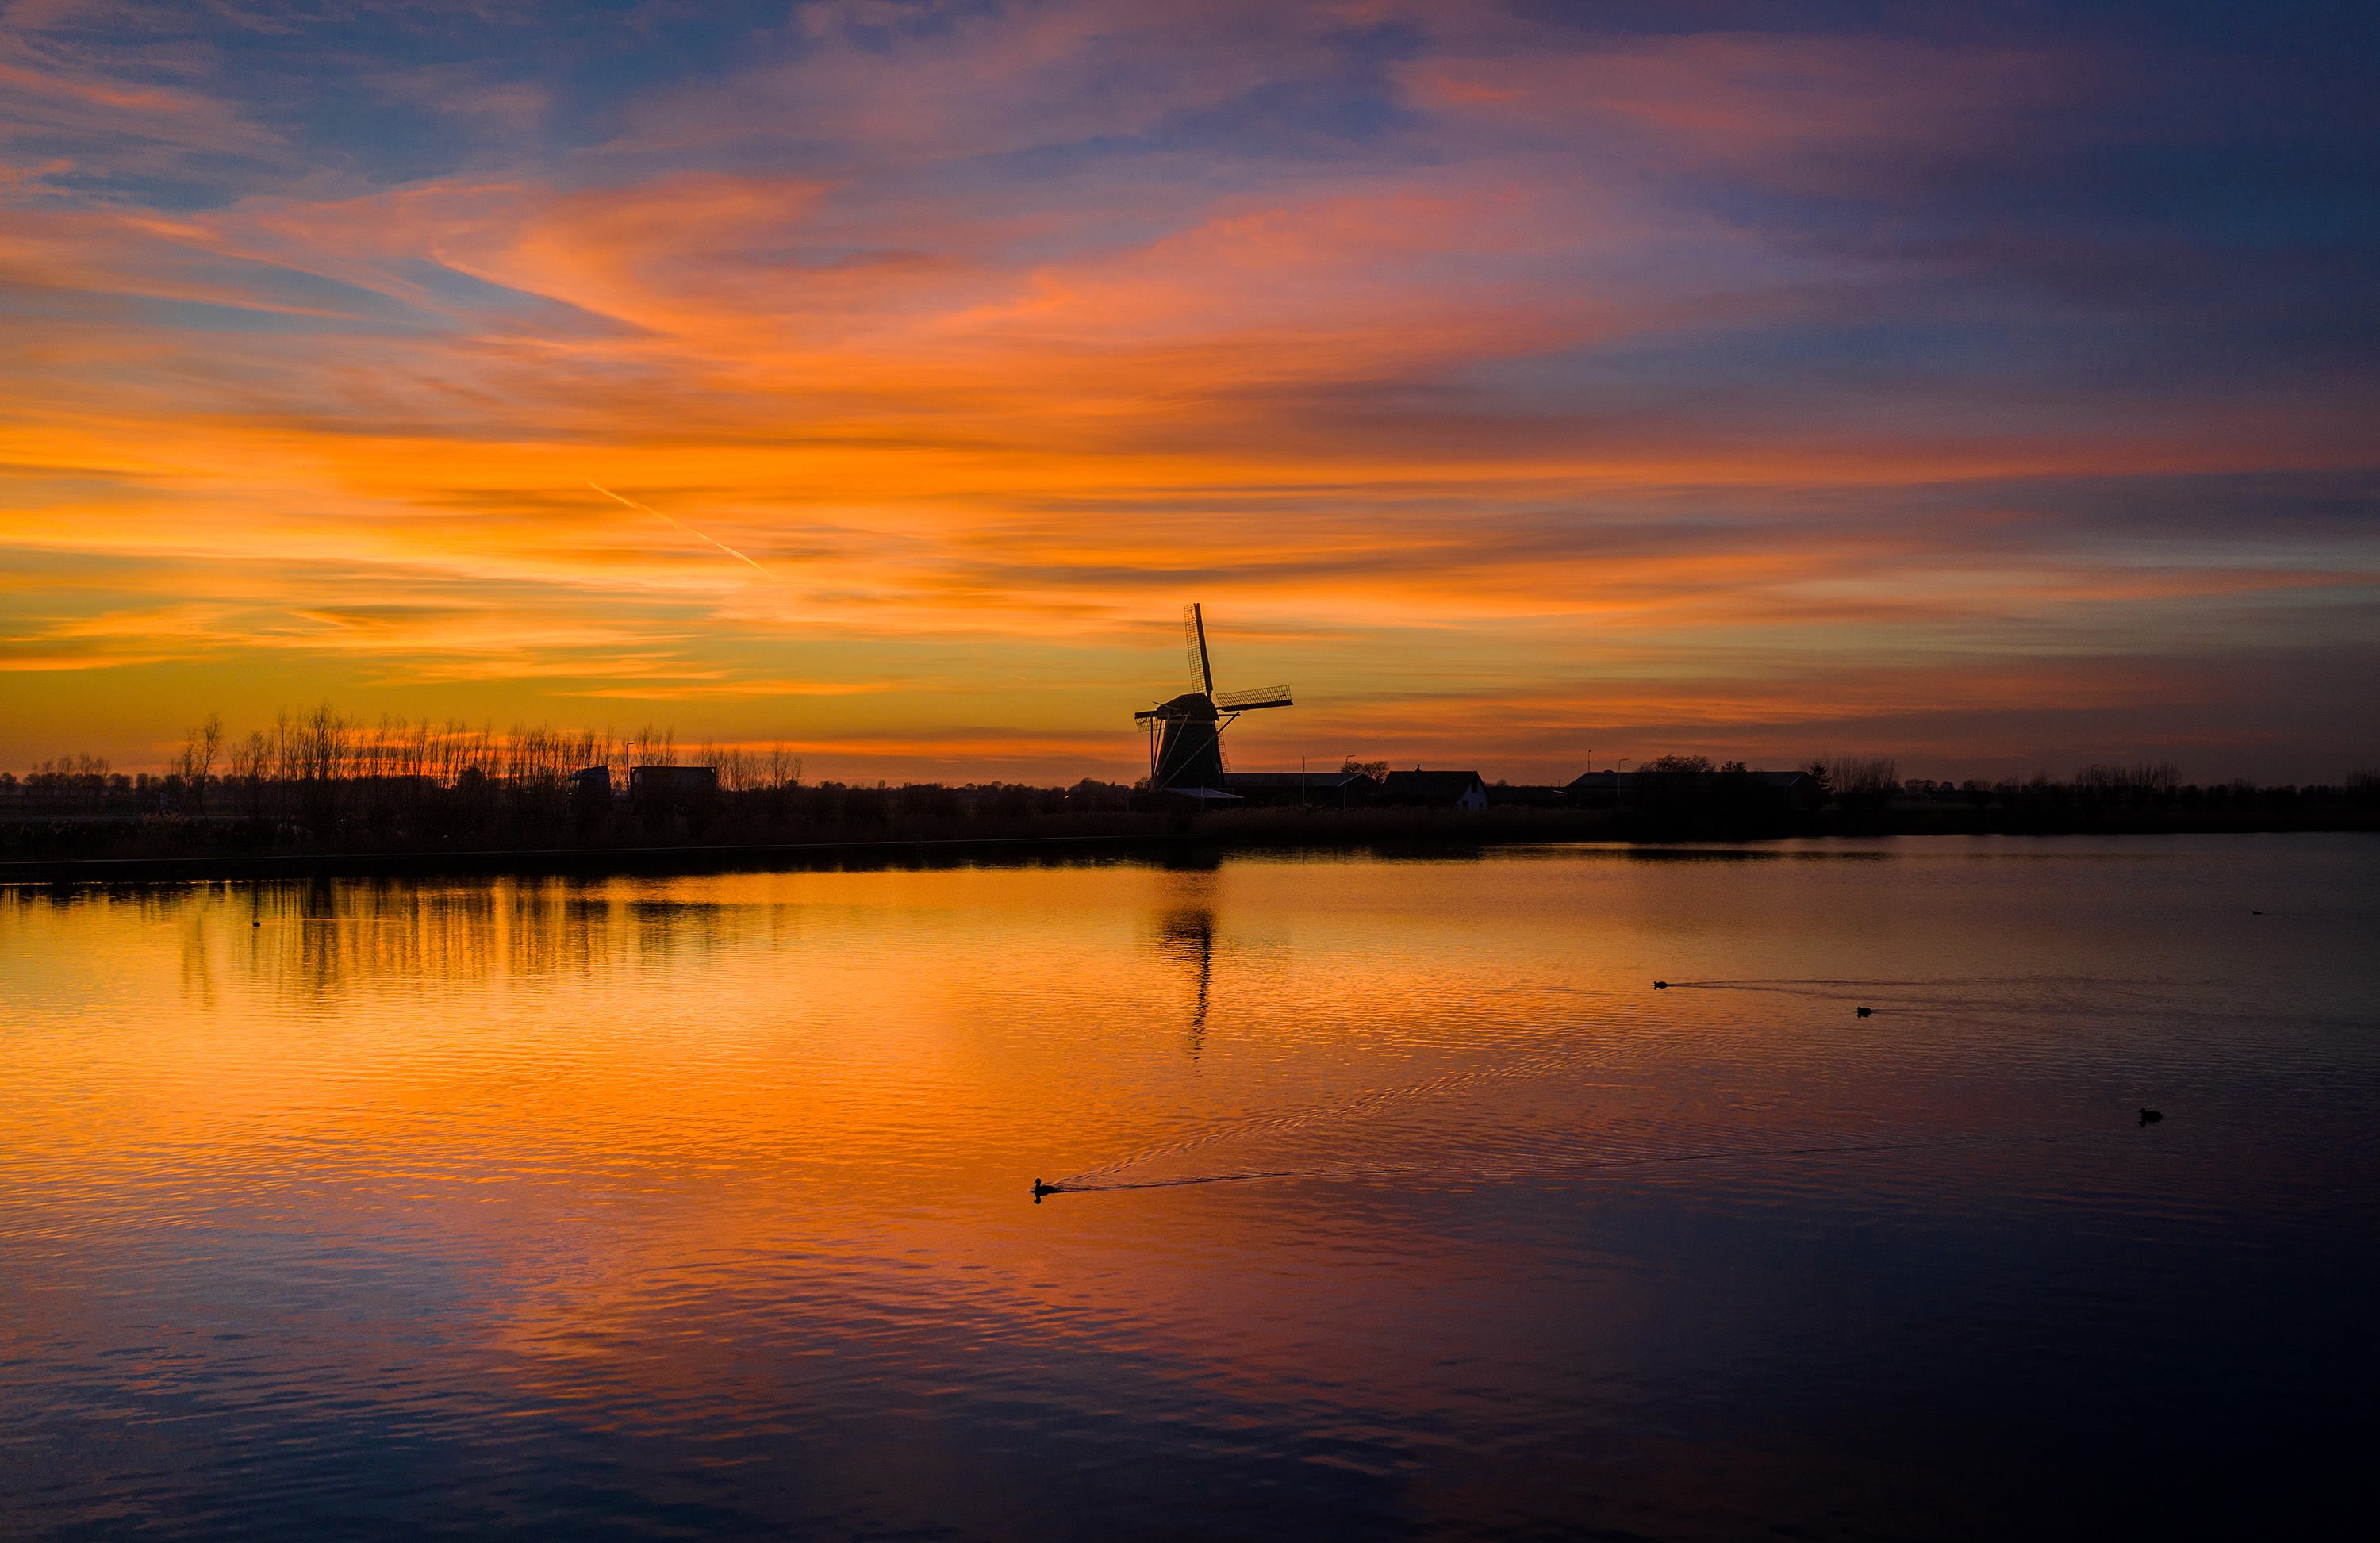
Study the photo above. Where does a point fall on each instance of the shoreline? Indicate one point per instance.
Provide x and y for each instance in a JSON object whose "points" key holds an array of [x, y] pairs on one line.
{"points": [[1441, 836], [684, 857]]}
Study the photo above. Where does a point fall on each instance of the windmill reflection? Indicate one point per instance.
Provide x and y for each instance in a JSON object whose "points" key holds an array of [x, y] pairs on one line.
{"points": [[1189, 936]]}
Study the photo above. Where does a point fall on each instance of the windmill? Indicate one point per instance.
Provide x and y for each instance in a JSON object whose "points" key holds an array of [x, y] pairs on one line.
{"points": [[1186, 735]]}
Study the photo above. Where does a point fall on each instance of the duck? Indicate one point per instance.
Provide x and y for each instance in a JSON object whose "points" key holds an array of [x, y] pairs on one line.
{"points": [[1039, 1189], [1660, 985], [1868, 1012], [2151, 1116]]}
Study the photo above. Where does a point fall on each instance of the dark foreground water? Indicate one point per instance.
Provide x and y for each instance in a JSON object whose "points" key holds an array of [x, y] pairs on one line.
{"points": [[698, 1207]]}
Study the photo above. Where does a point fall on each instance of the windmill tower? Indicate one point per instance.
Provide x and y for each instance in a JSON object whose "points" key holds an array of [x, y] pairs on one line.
{"points": [[1186, 735]]}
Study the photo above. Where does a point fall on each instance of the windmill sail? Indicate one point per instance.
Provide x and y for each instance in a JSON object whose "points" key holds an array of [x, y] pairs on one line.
{"points": [[1194, 649], [1206, 670]]}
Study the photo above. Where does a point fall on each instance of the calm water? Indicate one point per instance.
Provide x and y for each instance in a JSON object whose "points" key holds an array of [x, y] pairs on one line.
{"points": [[699, 1206]]}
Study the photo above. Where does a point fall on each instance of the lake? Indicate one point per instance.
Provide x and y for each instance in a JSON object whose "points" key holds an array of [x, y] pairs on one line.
{"points": [[1394, 1199]]}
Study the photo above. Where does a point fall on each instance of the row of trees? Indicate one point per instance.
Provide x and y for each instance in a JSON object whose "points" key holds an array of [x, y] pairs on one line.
{"points": [[324, 779], [324, 746], [1690, 798], [1871, 782]]}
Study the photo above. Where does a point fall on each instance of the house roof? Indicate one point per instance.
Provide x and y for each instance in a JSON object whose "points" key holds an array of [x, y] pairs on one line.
{"points": [[1417, 784]]}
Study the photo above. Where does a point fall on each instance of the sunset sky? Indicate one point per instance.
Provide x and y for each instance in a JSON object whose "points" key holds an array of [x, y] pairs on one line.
{"points": [[1528, 385]]}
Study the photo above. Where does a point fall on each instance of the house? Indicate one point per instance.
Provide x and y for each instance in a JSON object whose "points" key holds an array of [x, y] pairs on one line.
{"points": [[1522, 796], [662, 789], [1796, 790], [1603, 790], [1333, 790], [1597, 790], [1433, 790]]}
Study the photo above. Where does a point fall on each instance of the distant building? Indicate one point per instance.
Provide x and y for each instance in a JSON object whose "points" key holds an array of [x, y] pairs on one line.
{"points": [[1320, 789], [1796, 788], [1597, 790], [1519, 795], [1603, 790], [656, 790], [1433, 790]]}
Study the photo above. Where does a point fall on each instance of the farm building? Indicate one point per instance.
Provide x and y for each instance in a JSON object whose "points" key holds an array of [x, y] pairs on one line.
{"points": [[1433, 790], [1315, 789]]}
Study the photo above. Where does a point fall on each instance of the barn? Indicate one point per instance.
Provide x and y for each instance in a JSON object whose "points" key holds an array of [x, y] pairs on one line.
{"points": [[1433, 790]]}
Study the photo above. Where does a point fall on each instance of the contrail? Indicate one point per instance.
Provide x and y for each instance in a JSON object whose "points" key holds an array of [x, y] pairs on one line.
{"points": [[687, 529]]}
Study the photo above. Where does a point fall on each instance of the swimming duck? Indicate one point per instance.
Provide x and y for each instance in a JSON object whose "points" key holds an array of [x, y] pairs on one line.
{"points": [[1039, 1189], [1866, 1012], [2149, 1116], [1660, 985]]}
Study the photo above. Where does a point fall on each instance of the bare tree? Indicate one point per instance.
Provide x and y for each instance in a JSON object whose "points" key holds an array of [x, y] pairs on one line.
{"points": [[1867, 783], [199, 747]]}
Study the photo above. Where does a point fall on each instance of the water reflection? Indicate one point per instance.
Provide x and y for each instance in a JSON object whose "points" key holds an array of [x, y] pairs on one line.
{"points": [[699, 1204], [1188, 938]]}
